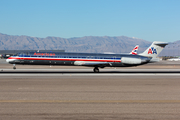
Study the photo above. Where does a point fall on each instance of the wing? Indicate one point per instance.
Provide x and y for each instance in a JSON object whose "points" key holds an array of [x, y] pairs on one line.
{"points": [[91, 63]]}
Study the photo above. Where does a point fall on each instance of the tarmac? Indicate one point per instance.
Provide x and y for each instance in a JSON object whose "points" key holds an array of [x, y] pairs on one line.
{"points": [[148, 92]]}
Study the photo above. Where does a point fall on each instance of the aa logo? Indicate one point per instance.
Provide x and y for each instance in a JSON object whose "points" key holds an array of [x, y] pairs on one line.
{"points": [[152, 51]]}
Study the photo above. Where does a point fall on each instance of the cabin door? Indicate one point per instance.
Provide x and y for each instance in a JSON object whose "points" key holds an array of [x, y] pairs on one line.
{"points": [[114, 59], [22, 59]]}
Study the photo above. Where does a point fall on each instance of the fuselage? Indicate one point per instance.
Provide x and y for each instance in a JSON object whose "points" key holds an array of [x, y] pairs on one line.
{"points": [[82, 59]]}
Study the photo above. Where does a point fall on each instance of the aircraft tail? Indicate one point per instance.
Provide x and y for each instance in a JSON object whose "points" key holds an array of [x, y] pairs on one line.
{"points": [[134, 51], [154, 50]]}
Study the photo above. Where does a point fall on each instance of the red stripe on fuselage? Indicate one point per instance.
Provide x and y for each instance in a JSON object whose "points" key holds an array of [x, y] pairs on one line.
{"points": [[64, 59]]}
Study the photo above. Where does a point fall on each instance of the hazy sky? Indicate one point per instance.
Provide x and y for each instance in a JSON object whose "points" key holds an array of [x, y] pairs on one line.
{"points": [[151, 20]]}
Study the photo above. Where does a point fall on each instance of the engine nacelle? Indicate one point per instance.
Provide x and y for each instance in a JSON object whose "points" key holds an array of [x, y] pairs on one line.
{"points": [[130, 61]]}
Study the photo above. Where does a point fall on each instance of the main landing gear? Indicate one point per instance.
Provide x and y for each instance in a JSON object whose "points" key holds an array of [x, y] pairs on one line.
{"points": [[96, 70]]}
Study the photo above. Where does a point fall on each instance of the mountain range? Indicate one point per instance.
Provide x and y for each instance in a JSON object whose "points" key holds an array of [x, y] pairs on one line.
{"points": [[97, 44]]}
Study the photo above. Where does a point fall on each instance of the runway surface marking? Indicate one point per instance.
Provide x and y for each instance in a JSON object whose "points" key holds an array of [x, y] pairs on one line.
{"points": [[89, 101]]}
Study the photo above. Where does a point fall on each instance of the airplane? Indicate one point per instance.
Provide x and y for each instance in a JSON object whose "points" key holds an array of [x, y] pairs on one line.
{"points": [[174, 59], [134, 51], [96, 60]]}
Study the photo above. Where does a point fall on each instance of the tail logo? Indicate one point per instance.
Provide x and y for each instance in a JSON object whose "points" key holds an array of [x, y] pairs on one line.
{"points": [[134, 51], [152, 51]]}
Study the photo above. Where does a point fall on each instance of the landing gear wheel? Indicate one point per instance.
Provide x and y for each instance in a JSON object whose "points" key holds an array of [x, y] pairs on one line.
{"points": [[96, 70], [14, 67]]}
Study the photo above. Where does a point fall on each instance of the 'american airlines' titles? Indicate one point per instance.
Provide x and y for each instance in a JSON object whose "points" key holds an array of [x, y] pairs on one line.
{"points": [[45, 54]]}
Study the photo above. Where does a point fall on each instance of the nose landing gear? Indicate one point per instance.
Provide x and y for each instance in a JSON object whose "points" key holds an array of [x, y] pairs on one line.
{"points": [[96, 70], [14, 66]]}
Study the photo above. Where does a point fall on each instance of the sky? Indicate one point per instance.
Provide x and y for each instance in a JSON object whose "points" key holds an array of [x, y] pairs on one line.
{"points": [[151, 20]]}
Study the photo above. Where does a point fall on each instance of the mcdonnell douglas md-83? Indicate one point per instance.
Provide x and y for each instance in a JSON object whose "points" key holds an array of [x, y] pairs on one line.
{"points": [[96, 60]]}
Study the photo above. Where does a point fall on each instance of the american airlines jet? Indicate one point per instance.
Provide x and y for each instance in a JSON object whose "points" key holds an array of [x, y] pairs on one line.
{"points": [[96, 60]]}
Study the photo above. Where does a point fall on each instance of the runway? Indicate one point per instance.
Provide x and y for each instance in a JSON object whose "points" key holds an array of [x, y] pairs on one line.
{"points": [[88, 72], [47, 97], [50, 93]]}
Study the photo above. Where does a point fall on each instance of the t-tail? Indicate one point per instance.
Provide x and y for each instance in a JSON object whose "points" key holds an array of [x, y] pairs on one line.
{"points": [[134, 51], [154, 50]]}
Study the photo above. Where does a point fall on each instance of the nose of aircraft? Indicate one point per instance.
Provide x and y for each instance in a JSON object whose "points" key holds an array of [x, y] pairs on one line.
{"points": [[9, 60]]}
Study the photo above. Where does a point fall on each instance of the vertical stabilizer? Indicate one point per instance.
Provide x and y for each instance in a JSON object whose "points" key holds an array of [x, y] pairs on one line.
{"points": [[154, 50], [134, 51]]}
